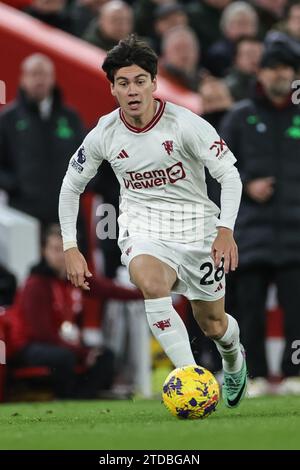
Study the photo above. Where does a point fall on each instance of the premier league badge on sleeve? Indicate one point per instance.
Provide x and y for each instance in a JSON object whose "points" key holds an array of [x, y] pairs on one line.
{"points": [[79, 160]]}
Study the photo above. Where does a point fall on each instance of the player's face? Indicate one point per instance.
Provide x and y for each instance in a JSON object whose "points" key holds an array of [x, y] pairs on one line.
{"points": [[133, 88]]}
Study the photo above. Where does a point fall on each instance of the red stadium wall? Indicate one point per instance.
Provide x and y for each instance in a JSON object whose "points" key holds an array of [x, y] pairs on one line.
{"points": [[77, 64]]}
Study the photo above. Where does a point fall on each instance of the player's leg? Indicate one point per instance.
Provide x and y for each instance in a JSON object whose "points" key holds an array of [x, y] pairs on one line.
{"points": [[155, 279], [224, 331]]}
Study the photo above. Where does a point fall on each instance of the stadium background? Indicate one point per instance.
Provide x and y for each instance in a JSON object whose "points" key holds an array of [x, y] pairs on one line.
{"points": [[86, 89]]}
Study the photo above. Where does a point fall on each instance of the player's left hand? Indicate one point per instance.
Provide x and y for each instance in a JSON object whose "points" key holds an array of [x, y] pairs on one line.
{"points": [[225, 247]]}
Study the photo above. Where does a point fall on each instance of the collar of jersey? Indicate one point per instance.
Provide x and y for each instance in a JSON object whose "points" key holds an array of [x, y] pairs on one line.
{"points": [[152, 123]]}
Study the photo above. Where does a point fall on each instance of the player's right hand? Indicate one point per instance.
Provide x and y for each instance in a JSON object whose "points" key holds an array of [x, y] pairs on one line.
{"points": [[77, 268]]}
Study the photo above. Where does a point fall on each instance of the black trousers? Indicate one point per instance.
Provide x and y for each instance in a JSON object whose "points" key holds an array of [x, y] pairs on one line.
{"points": [[251, 291], [62, 362]]}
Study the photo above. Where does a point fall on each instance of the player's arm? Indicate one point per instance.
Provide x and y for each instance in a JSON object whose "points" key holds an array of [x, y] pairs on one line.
{"points": [[224, 244], [76, 265], [210, 148], [220, 163], [83, 166]]}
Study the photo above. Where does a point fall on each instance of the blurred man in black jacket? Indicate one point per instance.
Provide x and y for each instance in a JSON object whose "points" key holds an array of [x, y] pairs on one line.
{"points": [[264, 134], [38, 133]]}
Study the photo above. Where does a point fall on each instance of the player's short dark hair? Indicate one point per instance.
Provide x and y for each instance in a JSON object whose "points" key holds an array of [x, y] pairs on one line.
{"points": [[130, 51]]}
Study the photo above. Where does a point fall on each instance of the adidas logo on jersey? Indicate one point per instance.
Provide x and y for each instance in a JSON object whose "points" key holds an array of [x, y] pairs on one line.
{"points": [[122, 155]]}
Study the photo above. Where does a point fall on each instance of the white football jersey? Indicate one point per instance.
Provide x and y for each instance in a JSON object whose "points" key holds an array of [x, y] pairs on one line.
{"points": [[160, 169]]}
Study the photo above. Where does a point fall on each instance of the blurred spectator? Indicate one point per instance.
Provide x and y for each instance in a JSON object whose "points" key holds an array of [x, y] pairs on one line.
{"points": [[238, 19], [144, 13], [288, 29], [167, 17], [281, 39], [115, 22], [242, 77], [264, 134], [204, 18], [8, 286], [216, 100], [292, 23], [269, 12], [45, 325], [38, 134], [51, 12], [180, 58], [83, 12]]}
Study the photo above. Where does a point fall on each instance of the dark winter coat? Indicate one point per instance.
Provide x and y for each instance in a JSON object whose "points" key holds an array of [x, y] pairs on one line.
{"points": [[266, 142], [34, 154]]}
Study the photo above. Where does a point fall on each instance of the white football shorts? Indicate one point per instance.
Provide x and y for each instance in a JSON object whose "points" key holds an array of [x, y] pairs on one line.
{"points": [[197, 278]]}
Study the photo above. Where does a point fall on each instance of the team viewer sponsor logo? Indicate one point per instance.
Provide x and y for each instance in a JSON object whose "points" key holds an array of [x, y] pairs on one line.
{"points": [[154, 178]]}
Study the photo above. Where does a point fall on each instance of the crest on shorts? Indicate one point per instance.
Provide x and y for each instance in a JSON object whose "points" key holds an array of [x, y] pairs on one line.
{"points": [[128, 251]]}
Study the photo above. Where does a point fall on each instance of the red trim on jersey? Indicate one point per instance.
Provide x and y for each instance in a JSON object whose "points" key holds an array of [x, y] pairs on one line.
{"points": [[150, 124]]}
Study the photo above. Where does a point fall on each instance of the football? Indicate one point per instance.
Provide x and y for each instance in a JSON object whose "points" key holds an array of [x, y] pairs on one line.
{"points": [[191, 392]]}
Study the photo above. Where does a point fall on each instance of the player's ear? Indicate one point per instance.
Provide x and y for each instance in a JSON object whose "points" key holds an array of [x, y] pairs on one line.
{"points": [[112, 89], [154, 83]]}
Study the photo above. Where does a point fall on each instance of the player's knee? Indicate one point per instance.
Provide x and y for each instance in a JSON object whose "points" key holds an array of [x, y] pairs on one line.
{"points": [[154, 288]]}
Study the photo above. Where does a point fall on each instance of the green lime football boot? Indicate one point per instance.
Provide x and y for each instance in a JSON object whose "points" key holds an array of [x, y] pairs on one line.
{"points": [[235, 385]]}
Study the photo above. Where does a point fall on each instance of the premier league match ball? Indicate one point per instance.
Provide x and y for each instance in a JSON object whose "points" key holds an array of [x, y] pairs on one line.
{"points": [[191, 392]]}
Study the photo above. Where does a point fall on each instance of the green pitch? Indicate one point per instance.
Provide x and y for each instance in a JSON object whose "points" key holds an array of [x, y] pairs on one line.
{"points": [[265, 423]]}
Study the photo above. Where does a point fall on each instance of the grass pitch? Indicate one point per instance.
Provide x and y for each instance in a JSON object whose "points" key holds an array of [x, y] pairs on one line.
{"points": [[264, 423]]}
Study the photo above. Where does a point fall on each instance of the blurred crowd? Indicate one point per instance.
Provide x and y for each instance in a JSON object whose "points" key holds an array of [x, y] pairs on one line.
{"points": [[242, 58]]}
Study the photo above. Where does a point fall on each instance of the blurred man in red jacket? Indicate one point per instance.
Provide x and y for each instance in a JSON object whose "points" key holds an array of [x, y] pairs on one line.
{"points": [[45, 325]]}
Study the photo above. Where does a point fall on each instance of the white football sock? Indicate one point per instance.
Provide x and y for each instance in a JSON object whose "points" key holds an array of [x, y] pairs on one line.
{"points": [[229, 347], [169, 329]]}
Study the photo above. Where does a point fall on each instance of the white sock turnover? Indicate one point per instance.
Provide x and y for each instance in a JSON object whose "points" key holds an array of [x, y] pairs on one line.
{"points": [[169, 329], [229, 347]]}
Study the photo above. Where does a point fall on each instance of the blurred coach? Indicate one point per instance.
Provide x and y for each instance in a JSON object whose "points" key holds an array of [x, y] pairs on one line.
{"points": [[264, 134]]}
